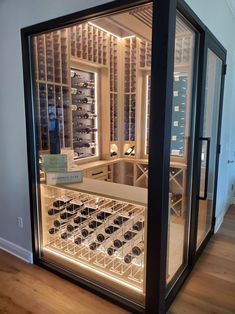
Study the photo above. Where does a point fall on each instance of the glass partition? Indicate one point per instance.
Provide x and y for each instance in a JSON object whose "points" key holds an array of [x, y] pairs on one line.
{"points": [[209, 144], [182, 134], [91, 92]]}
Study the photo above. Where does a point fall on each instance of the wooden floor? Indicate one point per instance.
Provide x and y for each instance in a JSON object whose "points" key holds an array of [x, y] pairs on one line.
{"points": [[210, 289]]}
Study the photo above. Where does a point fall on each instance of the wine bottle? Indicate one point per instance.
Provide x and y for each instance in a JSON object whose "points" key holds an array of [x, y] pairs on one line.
{"points": [[102, 215], [138, 225], [87, 211], [53, 211], [74, 207], [86, 232], [65, 235], [53, 230], [93, 246], [74, 91], [78, 220], [101, 237], [66, 215], [111, 250], [128, 258], [59, 203], [120, 220], [58, 223], [88, 99], [111, 229], [118, 243], [129, 235], [71, 228], [129, 150], [94, 224], [89, 116], [138, 249], [78, 240]]}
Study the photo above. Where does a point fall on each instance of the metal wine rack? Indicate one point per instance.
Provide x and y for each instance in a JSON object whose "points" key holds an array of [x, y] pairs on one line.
{"points": [[84, 114]]}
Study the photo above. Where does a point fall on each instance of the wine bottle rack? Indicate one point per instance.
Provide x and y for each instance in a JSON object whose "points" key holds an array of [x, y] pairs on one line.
{"points": [[89, 43], [113, 89], [177, 189], [50, 52], [145, 49], [84, 114], [130, 76], [179, 115], [103, 233], [183, 47]]}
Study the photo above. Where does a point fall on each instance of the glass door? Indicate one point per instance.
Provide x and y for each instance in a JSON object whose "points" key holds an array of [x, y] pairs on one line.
{"points": [[209, 144]]}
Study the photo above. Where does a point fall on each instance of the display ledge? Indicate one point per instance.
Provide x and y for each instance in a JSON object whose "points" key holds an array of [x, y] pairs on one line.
{"points": [[98, 163], [127, 193]]}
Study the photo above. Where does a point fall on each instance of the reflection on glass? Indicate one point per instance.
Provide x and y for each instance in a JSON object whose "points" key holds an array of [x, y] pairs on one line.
{"points": [[91, 92], [181, 150], [209, 142]]}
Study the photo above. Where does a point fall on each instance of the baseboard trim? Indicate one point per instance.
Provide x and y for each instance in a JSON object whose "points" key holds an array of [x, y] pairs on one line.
{"points": [[219, 222], [16, 250]]}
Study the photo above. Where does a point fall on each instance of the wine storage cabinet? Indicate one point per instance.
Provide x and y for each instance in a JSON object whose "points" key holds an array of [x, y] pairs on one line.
{"points": [[101, 233]]}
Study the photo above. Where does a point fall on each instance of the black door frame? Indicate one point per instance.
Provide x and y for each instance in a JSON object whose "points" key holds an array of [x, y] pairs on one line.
{"points": [[163, 28], [214, 46]]}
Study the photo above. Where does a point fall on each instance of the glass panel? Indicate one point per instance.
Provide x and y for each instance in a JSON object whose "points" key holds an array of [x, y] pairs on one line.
{"points": [[91, 92], [209, 145], [181, 151]]}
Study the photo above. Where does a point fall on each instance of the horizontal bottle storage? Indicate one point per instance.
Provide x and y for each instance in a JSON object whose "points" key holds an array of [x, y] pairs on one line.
{"points": [[84, 114], [103, 233]]}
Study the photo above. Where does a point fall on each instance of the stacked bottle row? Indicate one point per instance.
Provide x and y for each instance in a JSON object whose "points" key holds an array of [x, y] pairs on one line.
{"points": [[53, 114], [183, 47], [51, 56], [89, 43], [98, 230], [130, 52], [145, 51], [113, 88], [84, 114], [179, 114]]}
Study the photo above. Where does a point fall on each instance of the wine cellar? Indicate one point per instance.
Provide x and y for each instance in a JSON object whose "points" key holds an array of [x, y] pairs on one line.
{"points": [[92, 98]]}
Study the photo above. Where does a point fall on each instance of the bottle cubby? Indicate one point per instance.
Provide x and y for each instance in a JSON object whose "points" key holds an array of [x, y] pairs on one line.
{"points": [[89, 43], [105, 234], [177, 184], [84, 114]]}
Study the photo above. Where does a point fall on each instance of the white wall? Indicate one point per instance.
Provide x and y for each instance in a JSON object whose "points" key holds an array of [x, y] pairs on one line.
{"points": [[217, 16], [14, 195], [14, 14]]}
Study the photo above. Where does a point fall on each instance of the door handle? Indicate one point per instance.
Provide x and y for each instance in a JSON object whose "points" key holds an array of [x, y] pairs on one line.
{"points": [[208, 140]]}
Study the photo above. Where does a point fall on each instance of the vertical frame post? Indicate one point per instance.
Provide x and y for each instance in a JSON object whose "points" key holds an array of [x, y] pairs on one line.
{"points": [[163, 42]]}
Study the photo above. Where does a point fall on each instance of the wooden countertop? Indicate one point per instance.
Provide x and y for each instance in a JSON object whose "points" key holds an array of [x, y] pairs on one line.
{"points": [[99, 163], [117, 191]]}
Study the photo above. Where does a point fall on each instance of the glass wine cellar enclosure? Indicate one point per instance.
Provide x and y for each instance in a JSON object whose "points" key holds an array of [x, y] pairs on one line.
{"points": [[123, 111]]}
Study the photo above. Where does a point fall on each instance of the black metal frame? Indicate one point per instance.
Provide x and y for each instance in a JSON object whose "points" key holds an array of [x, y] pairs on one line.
{"points": [[164, 17]]}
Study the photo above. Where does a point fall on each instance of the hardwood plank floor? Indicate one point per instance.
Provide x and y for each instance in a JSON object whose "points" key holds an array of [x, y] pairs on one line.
{"points": [[210, 288], [26, 288]]}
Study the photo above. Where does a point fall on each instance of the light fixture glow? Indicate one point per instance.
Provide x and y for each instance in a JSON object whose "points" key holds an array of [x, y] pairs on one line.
{"points": [[92, 269]]}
